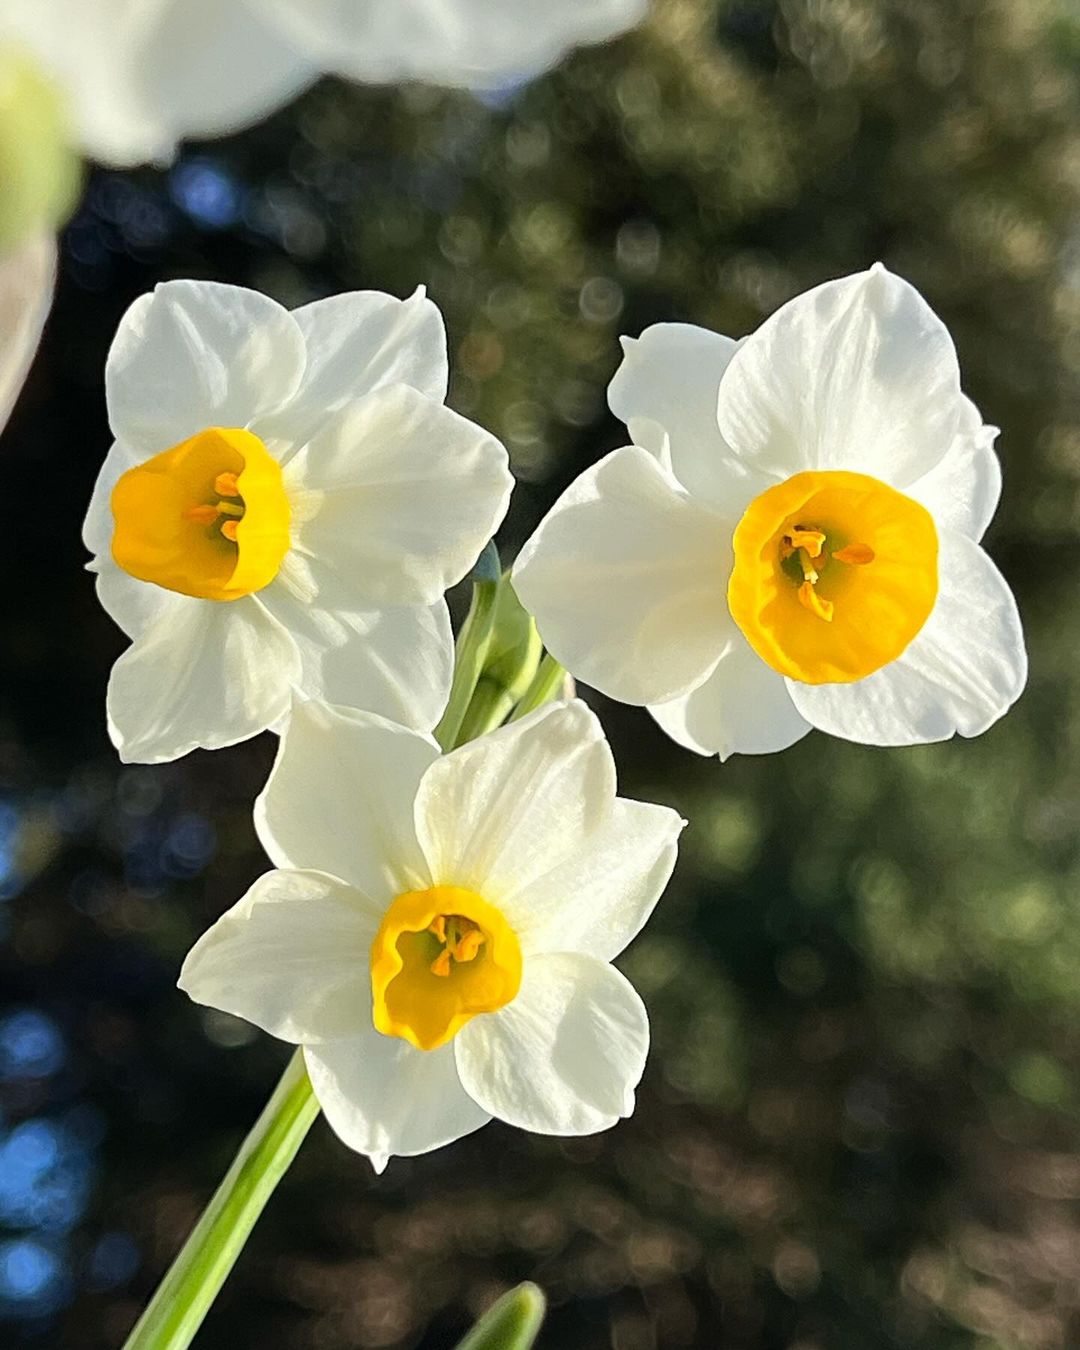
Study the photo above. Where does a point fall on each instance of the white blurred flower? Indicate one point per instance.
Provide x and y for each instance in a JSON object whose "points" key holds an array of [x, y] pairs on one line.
{"points": [[440, 935], [27, 277], [792, 542], [286, 502], [142, 75]]}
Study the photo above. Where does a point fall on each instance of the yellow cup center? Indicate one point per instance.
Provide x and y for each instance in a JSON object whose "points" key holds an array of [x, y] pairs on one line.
{"points": [[834, 574], [208, 518], [440, 957]]}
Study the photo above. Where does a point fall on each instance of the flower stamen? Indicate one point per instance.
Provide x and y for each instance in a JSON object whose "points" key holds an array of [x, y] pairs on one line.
{"points": [[858, 554], [809, 599], [461, 939]]}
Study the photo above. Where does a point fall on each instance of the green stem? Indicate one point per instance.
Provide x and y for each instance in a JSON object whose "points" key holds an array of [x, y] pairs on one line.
{"points": [[472, 647], [546, 686], [184, 1296]]}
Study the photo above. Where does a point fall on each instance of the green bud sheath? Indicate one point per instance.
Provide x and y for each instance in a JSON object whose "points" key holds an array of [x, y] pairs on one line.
{"points": [[513, 1323]]}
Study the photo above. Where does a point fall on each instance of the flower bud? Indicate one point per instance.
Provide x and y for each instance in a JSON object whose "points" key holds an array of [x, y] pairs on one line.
{"points": [[39, 171]]}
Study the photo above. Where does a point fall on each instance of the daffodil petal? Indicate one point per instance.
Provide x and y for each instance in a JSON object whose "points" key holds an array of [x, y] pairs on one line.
{"points": [[356, 343], [208, 69], [467, 43], [626, 576], [289, 957], [502, 811], [666, 392], [384, 1098], [565, 1057], [962, 672], [196, 354], [597, 900], [742, 708], [396, 661], [340, 799], [27, 277], [133, 605], [962, 491], [93, 52], [162, 703], [98, 526], [856, 374], [399, 494]]}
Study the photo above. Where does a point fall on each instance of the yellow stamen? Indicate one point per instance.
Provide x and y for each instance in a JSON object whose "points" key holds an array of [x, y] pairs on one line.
{"points": [[204, 514]]}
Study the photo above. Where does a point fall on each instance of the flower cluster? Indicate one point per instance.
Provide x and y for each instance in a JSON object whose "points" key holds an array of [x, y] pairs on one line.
{"points": [[792, 541]]}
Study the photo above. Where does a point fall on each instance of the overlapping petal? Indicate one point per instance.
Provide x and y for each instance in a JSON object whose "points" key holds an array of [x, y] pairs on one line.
{"points": [[162, 703], [565, 1057], [398, 493], [289, 957], [666, 391], [626, 577], [396, 661], [856, 374], [502, 811], [962, 672], [743, 708], [383, 1098], [340, 799], [356, 343], [196, 354], [962, 491], [132, 605], [600, 897]]}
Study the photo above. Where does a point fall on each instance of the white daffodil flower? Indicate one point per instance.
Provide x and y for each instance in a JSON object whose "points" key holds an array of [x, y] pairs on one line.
{"points": [[141, 75], [792, 542], [439, 935], [27, 277], [286, 502]]}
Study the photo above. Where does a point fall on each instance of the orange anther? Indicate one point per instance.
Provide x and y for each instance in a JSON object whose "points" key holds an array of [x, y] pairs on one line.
{"points": [[205, 515], [810, 541], [226, 485], [809, 599], [859, 554], [228, 529], [468, 945], [441, 965]]}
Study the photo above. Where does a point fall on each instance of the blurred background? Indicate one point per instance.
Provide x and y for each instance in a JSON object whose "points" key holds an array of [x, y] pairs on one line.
{"points": [[860, 1124]]}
